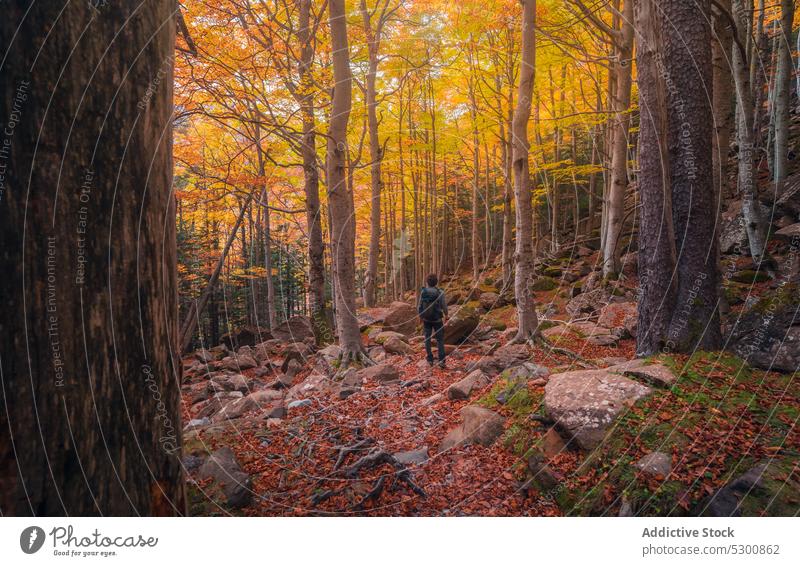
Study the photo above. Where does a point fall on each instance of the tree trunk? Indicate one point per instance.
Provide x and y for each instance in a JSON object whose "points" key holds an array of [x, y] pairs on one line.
{"points": [[320, 315], [695, 320], [722, 99], [656, 236], [619, 150], [746, 180], [373, 38], [782, 93], [91, 383], [340, 198], [524, 275]]}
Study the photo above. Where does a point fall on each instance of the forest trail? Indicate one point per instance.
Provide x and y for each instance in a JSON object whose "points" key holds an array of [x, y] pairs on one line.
{"points": [[310, 439]]}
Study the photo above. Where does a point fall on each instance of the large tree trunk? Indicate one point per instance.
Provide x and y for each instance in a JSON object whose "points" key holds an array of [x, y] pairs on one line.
{"points": [[722, 99], [90, 414], [339, 197], [695, 320], [320, 314], [524, 275], [619, 150], [746, 179], [782, 93], [656, 236]]}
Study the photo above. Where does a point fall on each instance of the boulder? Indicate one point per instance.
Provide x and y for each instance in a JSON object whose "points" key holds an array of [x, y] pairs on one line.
{"points": [[490, 301], [479, 426], [298, 351], [296, 329], [401, 317], [505, 357], [204, 355], [266, 349], [228, 382], [381, 373], [385, 335], [767, 336], [585, 404], [617, 315], [395, 345], [655, 374], [733, 233], [239, 362], [463, 388], [461, 323], [655, 464], [588, 302], [245, 336], [228, 475]]}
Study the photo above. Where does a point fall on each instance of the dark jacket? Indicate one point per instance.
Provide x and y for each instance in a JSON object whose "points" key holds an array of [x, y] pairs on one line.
{"points": [[442, 301]]}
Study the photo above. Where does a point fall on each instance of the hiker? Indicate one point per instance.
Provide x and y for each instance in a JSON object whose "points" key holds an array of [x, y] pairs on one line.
{"points": [[432, 310]]}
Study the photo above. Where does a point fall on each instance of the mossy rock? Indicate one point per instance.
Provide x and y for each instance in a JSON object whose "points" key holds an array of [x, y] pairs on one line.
{"points": [[544, 283], [553, 271], [749, 276]]}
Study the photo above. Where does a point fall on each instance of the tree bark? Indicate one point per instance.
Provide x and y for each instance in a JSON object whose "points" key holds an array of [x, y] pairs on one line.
{"points": [[342, 216], [782, 93], [746, 179], [90, 414], [695, 320], [320, 314], [619, 150], [524, 275], [722, 99], [656, 236]]}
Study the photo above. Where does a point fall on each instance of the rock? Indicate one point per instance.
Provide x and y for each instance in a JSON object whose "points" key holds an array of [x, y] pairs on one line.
{"points": [[226, 472], [462, 389], [245, 336], [544, 283], [296, 329], [381, 373], [373, 317], [197, 423], [299, 403], [401, 317], [584, 404], [331, 352], [384, 335], [655, 374], [529, 371], [299, 351], [508, 356], [588, 302], [395, 345], [192, 462], [412, 457], [490, 301], [229, 382], [552, 444], [614, 315], [461, 323], [602, 340], [435, 398], [204, 355], [453, 297], [768, 335], [239, 362], [655, 464], [725, 501], [480, 426], [733, 234], [544, 477], [276, 411], [266, 349], [315, 382], [377, 354], [509, 333]]}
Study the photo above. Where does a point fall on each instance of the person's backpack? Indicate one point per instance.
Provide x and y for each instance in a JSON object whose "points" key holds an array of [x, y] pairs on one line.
{"points": [[431, 308]]}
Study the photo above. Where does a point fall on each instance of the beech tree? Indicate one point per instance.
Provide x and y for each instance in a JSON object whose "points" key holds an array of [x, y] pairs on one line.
{"points": [[90, 415], [523, 255]]}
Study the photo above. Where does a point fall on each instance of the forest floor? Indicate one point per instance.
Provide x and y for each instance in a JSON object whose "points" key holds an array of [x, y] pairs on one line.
{"points": [[716, 423]]}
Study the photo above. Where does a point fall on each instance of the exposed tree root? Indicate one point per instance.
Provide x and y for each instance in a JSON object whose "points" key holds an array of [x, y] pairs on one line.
{"points": [[374, 493], [378, 457], [345, 450], [540, 341]]}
